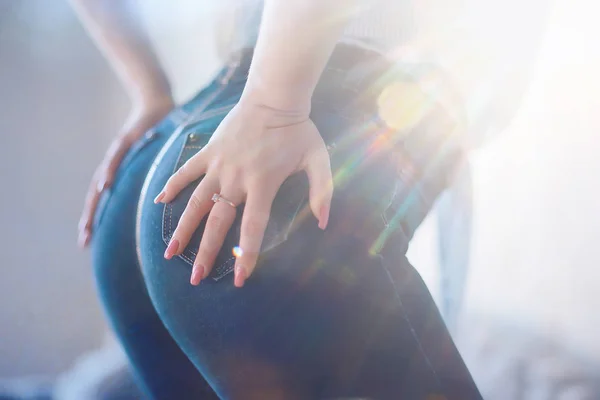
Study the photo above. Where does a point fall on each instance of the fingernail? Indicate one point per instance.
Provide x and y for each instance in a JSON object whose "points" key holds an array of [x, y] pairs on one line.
{"points": [[101, 185], [324, 217], [83, 239], [160, 196], [240, 276], [197, 274], [171, 248]]}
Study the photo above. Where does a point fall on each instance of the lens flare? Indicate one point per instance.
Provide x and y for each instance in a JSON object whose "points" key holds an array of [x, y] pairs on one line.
{"points": [[402, 105], [237, 251]]}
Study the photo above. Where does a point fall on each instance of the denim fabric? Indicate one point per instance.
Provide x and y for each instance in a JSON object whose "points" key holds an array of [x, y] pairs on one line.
{"points": [[161, 368], [333, 314]]}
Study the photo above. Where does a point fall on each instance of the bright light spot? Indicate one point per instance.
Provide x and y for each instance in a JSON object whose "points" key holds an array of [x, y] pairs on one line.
{"points": [[402, 105], [237, 251]]}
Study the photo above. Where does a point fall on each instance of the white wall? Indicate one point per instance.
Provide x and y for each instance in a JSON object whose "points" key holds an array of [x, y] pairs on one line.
{"points": [[538, 193], [53, 86], [59, 107]]}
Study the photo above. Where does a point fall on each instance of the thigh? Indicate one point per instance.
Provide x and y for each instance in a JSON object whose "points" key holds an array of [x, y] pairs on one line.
{"points": [[161, 367], [322, 317], [434, 349]]}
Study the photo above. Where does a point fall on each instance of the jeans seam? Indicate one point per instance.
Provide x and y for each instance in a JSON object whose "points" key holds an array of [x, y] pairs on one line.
{"points": [[212, 113], [221, 274], [408, 321], [185, 257]]}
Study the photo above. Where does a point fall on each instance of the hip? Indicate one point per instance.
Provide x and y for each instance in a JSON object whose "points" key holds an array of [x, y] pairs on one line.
{"points": [[393, 146]]}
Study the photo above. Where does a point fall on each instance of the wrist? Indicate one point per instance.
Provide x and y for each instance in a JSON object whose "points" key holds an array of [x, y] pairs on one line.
{"points": [[281, 98], [151, 91], [145, 113], [151, 100], [272, 113]]}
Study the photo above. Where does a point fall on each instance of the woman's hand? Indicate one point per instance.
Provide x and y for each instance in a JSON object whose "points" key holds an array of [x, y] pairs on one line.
{"points": [[252, 152], [142, 118]]}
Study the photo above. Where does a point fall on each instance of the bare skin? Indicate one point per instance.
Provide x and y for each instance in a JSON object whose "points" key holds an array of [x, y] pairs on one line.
{"points": [[267, 137], [115, 27], [283, 75], [277, 96]]}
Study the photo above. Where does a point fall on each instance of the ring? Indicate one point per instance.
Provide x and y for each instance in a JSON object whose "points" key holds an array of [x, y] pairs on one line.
{"points": [[217, 197]]}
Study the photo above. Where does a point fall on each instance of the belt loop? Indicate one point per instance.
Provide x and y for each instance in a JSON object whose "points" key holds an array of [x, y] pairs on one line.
{"points": [[232, 66]]}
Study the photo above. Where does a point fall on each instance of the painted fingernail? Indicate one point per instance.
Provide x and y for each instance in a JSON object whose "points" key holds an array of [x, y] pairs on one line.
{"points": [[324, 217], [197, 274], [160, 196], [240, 275], [171, 248], [84, 238]]}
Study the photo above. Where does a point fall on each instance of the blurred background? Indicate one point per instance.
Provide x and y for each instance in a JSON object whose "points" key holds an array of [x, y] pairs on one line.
{"points": [[529, 326]]}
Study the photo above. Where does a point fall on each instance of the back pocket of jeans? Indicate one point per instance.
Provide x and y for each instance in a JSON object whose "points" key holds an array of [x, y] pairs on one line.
{"points": [[289, 201]]}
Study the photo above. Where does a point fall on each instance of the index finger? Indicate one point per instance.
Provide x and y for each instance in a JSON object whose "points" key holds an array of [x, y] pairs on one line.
{"points": [[191, 170], [254, 223]]}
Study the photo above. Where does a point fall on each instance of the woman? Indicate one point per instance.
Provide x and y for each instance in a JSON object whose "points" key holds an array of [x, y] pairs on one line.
{"points": [[215, 276]]}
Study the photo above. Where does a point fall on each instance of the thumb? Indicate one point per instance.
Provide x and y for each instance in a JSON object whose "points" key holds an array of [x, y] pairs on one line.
{"points": [[318, 169]]}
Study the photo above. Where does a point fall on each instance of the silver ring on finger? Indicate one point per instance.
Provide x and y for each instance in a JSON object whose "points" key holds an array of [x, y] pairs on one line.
{"points": [[216, 197]]}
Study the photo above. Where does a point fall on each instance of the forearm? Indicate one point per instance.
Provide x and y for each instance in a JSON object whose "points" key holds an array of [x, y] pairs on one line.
{"points": [[295, 42], [116, 28]]}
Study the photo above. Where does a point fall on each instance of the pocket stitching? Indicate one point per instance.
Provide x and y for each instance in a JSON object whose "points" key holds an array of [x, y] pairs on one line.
{"points": [[168, 210], [185, 255]]}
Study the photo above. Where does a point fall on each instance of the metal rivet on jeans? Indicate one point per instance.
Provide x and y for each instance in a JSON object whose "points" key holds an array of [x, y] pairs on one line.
{"points": [[151, 134]]}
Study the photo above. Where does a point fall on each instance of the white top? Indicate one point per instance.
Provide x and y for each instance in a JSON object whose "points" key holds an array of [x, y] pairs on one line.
{"points": [[383, 23], [478, 42]]}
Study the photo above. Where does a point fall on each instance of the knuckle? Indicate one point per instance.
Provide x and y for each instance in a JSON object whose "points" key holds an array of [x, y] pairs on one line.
{"points": [[231, 177], [182, 171], [195, 202], [217, 162]]}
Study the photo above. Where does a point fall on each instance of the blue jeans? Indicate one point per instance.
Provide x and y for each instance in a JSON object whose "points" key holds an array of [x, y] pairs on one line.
{"points": [[327, 314]]}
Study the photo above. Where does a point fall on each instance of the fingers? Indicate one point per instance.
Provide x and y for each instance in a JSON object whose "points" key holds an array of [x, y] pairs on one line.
{"points": [[112, 160], [198, 206], [87, 216], [103, 178], [318, 169], [218, 223], [254, 223], [188, 173]]}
